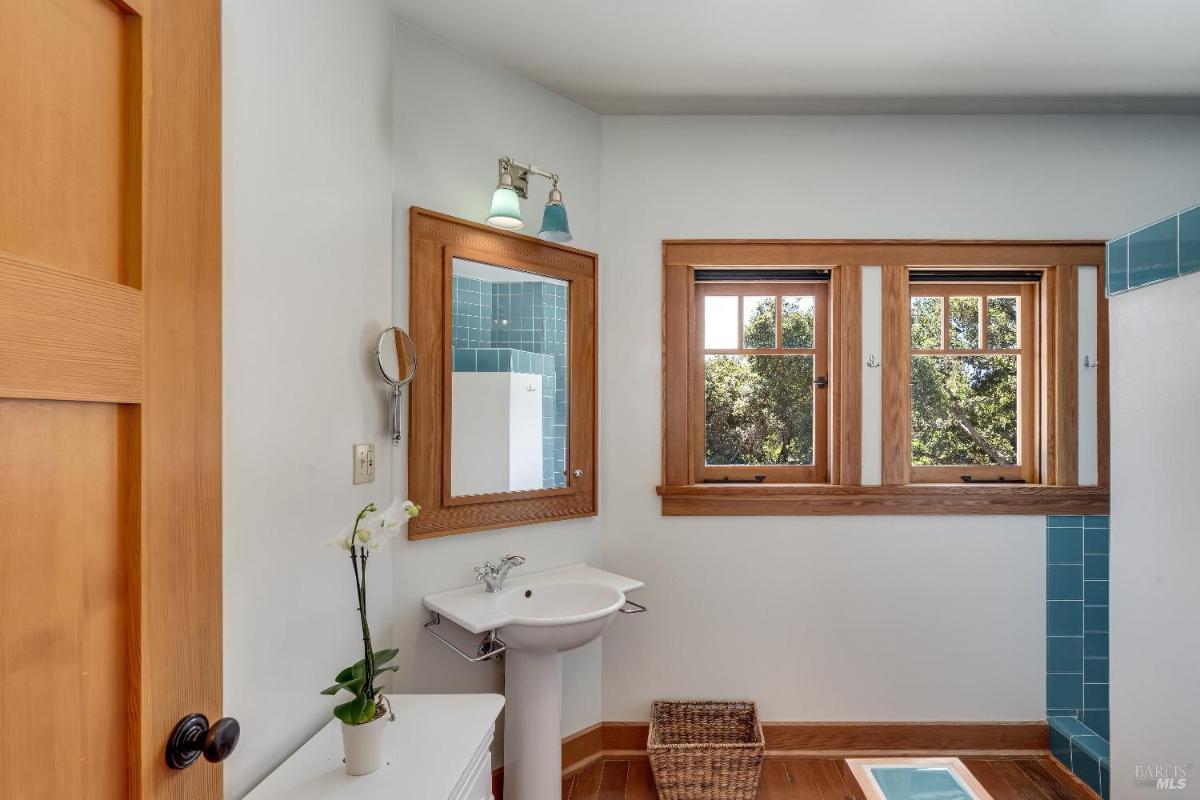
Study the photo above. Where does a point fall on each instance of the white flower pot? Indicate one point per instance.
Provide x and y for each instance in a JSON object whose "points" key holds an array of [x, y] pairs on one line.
{"points": [[363, 745]]}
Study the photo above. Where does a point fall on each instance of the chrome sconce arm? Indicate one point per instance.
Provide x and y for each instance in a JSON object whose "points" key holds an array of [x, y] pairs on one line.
{"points": [[513, 184]]}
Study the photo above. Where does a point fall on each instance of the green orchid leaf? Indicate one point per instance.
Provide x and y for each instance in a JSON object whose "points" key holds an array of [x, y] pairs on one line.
{"points": [[384, 656], [356, 711], [356, 670], [354, 686]]}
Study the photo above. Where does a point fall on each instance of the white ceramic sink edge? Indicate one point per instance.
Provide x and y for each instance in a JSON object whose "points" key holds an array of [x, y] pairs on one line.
{"points": [[476, 610]]}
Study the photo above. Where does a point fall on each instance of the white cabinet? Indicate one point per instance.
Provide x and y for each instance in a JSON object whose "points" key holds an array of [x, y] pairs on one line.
{"points": [[440, 746]]}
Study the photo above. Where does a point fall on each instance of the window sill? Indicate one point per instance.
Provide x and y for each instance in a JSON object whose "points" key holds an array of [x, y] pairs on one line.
{"points": [[783, 499]]}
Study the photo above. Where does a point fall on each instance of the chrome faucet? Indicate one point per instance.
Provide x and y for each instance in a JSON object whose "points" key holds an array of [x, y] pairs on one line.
{"points": [[493, 576]]}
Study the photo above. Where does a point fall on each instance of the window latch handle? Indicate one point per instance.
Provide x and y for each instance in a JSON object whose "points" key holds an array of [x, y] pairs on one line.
{"points": [[821, 382]]}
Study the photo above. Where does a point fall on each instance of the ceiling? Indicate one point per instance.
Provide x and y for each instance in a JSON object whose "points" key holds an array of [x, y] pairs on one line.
{"points": [[837, 56]]}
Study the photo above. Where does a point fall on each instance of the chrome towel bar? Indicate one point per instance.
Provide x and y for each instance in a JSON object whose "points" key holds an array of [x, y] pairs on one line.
{"points": [[491, 646], [638, 608]]}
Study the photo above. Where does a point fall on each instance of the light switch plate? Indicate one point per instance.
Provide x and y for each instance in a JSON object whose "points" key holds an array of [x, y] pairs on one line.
{"points": [[364, 463]]}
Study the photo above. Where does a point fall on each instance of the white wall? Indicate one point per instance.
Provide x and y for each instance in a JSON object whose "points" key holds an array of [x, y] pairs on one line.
{"points": [[839, 618], [307, 271], [1155, 548], [454, 117]]}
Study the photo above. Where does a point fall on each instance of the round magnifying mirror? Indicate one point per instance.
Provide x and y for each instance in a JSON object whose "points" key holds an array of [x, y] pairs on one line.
{"points": [[397, 356]]}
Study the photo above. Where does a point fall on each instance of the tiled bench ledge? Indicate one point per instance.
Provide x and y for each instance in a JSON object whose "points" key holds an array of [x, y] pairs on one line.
{"points": [[1082, 751]]}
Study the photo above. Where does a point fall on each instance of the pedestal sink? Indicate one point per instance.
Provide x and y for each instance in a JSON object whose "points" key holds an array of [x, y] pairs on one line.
{"points": [[538, 616]]}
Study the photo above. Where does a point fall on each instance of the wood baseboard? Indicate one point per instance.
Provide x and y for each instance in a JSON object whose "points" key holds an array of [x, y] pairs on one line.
{"points": [[793, 740]]}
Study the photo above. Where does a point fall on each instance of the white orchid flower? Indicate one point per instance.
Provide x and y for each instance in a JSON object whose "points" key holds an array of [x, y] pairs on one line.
{"points": [[375, 531]]}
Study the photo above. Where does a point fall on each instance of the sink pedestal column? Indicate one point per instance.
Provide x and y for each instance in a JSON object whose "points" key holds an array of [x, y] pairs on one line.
{"points": [[532, 725]]}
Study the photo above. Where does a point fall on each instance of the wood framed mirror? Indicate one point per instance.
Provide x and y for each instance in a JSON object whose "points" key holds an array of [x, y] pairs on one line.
{"points": [[503, 412]]}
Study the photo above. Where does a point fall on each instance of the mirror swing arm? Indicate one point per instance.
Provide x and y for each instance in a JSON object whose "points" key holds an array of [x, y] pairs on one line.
{"points": [[398, 368], [566, 483]]}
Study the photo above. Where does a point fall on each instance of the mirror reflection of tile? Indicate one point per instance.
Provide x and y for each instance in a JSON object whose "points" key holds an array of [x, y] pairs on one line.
{"points": [[509, 321]]}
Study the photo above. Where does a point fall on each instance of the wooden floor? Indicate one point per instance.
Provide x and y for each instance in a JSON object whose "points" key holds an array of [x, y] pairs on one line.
{"points": [[829, 779]]}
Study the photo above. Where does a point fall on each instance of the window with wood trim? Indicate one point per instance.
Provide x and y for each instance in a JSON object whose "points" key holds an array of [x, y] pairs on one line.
{"points": [[973, 380], [969, 364], [760, 379]]}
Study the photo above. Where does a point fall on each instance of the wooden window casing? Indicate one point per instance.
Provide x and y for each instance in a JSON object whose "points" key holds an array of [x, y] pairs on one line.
{"points": [[1050, 461], [1026, 353], [818, 470]]}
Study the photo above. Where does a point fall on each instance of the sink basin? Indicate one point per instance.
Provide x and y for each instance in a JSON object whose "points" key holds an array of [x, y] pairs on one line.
{"points": [[557, 616], [538, 616]]}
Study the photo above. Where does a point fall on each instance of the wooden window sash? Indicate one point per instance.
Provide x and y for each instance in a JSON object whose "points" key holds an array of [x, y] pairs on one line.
{"points": [[818, 471], [1025, 352]]}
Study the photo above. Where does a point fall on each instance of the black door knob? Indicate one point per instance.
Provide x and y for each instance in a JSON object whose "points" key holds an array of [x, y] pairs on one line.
{"points": [[193, 737]]}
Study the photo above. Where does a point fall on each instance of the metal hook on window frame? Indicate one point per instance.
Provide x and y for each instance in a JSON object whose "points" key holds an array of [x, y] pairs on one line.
{"points": [[1089, 364], [873, 362]]}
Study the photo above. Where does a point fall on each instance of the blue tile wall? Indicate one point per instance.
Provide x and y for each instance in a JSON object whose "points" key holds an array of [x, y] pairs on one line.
{"points": [[518, 327], [1189, 241], [1169, 248], [1077, 675]]}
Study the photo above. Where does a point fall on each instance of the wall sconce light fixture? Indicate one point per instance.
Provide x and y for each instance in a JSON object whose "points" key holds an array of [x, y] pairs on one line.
{"points": [[506, 205]]}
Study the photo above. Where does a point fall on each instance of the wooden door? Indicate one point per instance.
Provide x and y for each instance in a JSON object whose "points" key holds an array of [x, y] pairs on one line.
{"points": [[110, 516]]}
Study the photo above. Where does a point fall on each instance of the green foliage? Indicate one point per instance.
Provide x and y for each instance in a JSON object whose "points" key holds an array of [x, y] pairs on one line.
{"points": [[361, 707], [926, 323], [759, 408]]}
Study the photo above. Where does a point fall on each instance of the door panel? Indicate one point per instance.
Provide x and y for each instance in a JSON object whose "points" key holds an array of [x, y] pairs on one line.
{"points": [[110, 392], [64, 588], [67, 76]]}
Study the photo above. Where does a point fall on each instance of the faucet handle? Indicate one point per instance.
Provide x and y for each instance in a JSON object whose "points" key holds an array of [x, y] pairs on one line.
{"points": [[484, 571], [516, 561]]}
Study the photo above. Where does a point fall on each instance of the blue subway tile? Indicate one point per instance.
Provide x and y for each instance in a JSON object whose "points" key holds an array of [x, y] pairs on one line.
{"points": [[1094, 746], [1085, 767], [1118, 265], [1095, 670], [488, 361], [1062, 712], [1064, 582], [1097, 720], [1105, 783], [464, 360], [1096, 521], [1189, 241], [1154, 253], [1095, 644], [1095, 619], [1064, 691], [1095, 542], [1060, 747], [1095, 593], [1069, 726], [1058, 521], [1064, 545], [1064, 618], [1095, 568], [1064, 654], [1095, 695]]}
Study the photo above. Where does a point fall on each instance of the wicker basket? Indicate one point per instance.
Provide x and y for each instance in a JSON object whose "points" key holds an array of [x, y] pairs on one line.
{"points": [[705, 750]]}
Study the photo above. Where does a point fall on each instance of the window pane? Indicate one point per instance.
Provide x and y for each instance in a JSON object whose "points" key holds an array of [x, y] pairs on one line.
{"points": [[964, 323], [964, 410], [720, 322], [926, 315], [1002, 323], [799, 321], [758, 409], [758, 316]]}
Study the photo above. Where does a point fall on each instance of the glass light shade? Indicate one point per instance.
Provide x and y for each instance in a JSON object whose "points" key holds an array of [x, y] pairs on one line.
{"points": [[506, 209], [554, 224]]}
